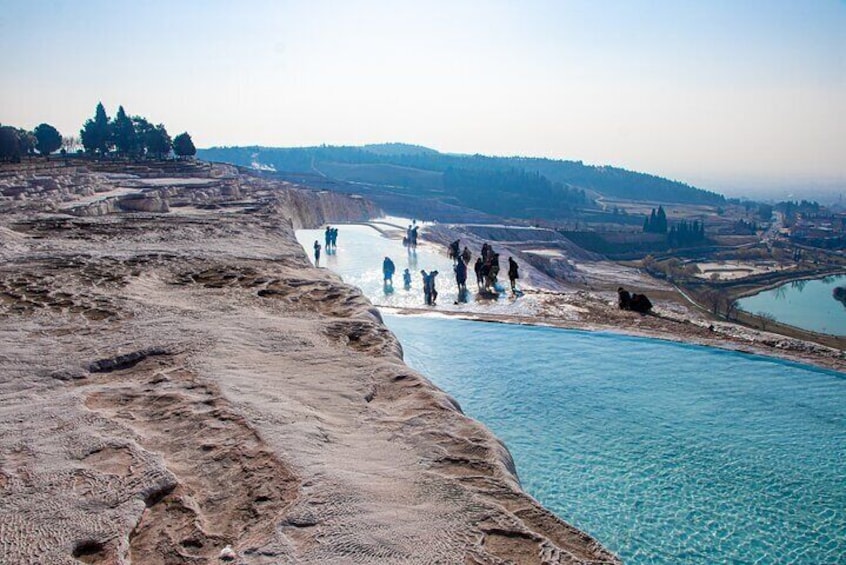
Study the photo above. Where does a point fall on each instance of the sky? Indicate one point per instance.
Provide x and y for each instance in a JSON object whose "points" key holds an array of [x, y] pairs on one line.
{"points": [[729, 95]]}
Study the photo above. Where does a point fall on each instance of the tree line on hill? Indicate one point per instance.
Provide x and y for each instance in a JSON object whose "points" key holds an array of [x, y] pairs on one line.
{"points": [[656, 222], [609, 181], [123, 136], [680, 234], [502, 192]]}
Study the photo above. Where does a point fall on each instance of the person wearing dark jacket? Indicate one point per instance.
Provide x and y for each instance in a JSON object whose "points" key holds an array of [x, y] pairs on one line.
{"points": [[512, 274], [388, 271]]}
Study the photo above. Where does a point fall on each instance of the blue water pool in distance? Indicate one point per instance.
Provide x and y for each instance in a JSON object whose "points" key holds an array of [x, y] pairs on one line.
{"points": [[804, 304], [666, 453]]}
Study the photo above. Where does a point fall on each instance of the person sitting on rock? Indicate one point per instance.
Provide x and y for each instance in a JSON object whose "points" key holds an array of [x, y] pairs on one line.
{"points": [[640, 303], [624, 299]]}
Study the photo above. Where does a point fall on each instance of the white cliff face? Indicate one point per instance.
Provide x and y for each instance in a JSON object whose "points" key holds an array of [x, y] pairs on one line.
{"points": [[91, 188], [179, 379]]}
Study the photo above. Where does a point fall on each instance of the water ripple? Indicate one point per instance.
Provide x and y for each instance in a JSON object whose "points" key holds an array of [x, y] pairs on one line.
{"points": [[667, 453]]}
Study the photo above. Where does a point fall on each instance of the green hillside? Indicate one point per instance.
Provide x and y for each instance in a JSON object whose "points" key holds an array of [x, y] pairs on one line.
{"points": [[515, 187]]}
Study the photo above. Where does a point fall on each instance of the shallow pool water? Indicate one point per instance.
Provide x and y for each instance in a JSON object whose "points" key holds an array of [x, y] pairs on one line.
{"points": [[358, 259], [804, 304], [664, 452]]}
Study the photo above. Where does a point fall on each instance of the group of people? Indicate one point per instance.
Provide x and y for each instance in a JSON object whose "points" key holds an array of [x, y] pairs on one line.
{"points": [[331, 237], [430, 293], [330, 243], [633, 301], [410, 239], [486, 268]]}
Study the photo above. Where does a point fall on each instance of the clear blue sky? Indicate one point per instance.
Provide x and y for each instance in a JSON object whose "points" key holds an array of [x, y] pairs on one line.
{"points": [[716, 93]]}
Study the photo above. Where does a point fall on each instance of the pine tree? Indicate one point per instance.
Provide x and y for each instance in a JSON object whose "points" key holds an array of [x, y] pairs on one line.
{"points": [[95, 133], [123, 133], [661, 217]]}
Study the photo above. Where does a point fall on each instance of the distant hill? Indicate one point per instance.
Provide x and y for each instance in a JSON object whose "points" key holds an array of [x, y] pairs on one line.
{"points": [[512, 187], [398, 149]]}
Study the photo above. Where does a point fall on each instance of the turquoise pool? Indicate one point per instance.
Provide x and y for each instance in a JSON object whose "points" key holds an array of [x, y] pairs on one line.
{"points": [[666, 453], [804, 304]]}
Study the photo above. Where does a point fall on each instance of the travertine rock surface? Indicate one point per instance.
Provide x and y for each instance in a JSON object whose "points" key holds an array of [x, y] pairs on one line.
{"points": [[178, 378]]}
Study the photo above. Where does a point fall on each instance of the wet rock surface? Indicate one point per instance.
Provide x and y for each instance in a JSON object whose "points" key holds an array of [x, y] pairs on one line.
{"points": [[177, 379]]}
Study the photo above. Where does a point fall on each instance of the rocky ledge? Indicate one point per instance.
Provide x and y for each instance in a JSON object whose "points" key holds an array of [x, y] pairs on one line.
{"points": [[179, 385]]}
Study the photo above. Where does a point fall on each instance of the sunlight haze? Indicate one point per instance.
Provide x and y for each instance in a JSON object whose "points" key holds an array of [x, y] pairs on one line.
{"points": [[723, 95]]}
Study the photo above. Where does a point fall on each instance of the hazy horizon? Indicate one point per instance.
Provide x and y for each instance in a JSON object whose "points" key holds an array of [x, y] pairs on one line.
{"points": [[726, 96]]}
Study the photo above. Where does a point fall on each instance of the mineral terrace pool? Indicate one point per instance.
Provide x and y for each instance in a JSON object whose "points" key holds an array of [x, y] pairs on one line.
{"points": [[358, 260], [666, 453]]}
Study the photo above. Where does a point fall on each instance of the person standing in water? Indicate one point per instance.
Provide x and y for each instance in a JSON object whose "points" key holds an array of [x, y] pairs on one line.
{"points": [[512, 274], [466, 255], [388, 269], [477, 268], [406, 279], [427, 290], [433, 292], [461, 277], [316, 252]]}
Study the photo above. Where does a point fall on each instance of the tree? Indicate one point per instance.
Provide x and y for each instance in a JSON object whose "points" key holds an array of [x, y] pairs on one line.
{"points": [[95, 133], [183, 145], [123, 134], [27, 141], [158, 141], [730, 305], [47, 139], [715, 298], [661, 218], [656, 222], [10, 148], [143, 129], [70, 144], [766, 319]]}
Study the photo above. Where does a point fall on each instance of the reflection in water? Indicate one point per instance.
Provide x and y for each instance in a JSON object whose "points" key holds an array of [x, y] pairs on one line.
{"points": [[360, 258], [805, 304], [839, 294]]}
